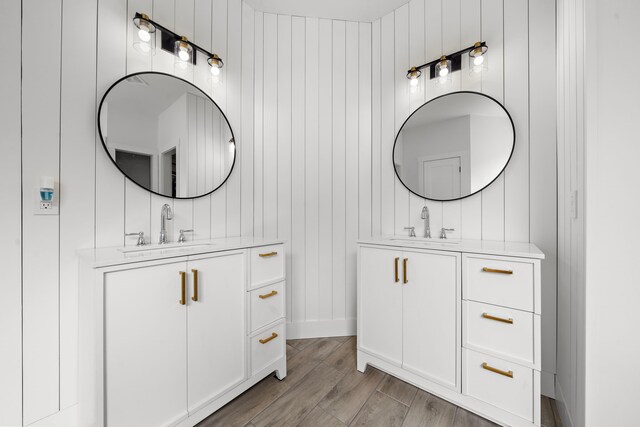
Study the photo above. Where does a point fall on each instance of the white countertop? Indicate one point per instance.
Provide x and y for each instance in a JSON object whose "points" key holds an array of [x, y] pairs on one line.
{"points": [[104, 257], [485, 247]]}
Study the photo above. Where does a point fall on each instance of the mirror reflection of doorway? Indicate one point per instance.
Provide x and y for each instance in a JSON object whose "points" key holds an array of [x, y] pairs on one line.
{"points": [[168, 176], [441, 177], [136, 166]]}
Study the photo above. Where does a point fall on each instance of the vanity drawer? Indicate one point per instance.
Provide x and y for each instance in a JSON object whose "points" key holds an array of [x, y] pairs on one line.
{"points": [[503, 384], [267, 305], [267, 346], [267, 265], [500, 331], [500, 281]]}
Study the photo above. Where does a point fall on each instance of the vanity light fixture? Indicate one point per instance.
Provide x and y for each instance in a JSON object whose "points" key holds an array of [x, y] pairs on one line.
{"points": [[442, 67], [180, 46], [232, 145]]}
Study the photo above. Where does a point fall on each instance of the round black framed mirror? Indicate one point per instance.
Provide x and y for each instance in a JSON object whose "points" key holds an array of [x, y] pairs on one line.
{"points": [[454, 146], [166, 135]]}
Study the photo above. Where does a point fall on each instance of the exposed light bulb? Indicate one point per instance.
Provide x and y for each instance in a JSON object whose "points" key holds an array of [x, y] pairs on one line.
{"points": [[413, 82], [215, 71], [183, 54], [143, 34], [444, 71], [478, 60]]}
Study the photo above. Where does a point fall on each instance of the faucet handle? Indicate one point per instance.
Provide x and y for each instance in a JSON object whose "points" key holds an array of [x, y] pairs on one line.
{"points": [[412, 231], [182, 238], [443, 232], [140, 234]]}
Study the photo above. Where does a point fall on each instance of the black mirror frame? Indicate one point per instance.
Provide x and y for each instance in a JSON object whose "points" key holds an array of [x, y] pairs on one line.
{"points": [[393, 156], [235, 154]]}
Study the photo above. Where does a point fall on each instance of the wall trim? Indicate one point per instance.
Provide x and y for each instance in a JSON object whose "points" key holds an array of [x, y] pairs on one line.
{"points": [[321, 328]]}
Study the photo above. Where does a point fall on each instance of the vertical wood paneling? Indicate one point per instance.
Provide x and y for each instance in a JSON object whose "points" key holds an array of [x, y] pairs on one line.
{"points": [[297, 292], [258, 131], [312, 183], [10, 218], [402, 106], [270, 176], [248, 76], [284, 141], [516, 100], [365, 178], [325, 209], [376, 128], [41, 43], [234, 110], [387, 120], [77, 192], [493, 85], [338, 164], [351, 163]]}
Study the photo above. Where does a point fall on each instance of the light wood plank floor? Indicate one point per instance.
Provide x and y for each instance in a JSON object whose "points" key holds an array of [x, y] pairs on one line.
{"points": [[324, 389]]}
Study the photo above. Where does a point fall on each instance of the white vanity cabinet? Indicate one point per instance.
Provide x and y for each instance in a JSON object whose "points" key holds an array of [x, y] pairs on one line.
{"points": [[460, 320], [166, 340], [409, 310]]}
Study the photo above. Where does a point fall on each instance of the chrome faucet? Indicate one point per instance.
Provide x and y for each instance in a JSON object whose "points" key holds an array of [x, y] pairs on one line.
{"points": [[427, 228], [165, 214]]}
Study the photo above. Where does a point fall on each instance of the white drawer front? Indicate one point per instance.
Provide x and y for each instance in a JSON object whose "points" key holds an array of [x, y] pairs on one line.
{"points": [[267, 305], [506, 283], [500, 331], [513, 394], [267, 347], [267, 265]]}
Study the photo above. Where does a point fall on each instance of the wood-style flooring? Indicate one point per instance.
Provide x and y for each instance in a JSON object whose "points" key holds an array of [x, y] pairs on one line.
{"points": [[324, 389]]}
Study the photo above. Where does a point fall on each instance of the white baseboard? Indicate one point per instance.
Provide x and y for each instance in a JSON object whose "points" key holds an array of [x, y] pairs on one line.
{"points": [[548, 384], [322, 328], [65, 418], [565, 415]]}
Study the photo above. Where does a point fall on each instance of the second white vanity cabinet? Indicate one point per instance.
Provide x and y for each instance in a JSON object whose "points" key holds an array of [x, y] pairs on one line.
{"points": [[460, 320], [169, 336], [402, 292]]}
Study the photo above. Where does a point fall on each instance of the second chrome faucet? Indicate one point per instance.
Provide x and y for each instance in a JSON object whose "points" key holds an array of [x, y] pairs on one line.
{"points": [[165, 214], [427, 227]]}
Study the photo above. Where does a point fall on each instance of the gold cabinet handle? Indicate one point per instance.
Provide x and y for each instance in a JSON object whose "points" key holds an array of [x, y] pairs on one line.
{"points": [[397, 278], [270, 294], [486, 366], [498, 319], [495, 270], [266, 340], [195, 285], [404, 265], [183, 292], [268, 254]]}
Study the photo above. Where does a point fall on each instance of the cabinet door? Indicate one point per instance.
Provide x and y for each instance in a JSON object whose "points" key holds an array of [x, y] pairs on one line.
{"points": [[431, 316], [217, 328], [145, 345], [380, 303]]}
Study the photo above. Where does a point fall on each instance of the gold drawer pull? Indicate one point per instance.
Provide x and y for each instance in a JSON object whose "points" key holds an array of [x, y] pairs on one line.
{"points": [[486, 366], [266, 340], [495, 270], [397, 277], [268, 254], [183, 286], [270, 294], [498, 319]]}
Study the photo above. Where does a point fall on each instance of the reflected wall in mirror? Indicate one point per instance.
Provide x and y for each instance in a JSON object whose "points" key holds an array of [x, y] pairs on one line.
{"points": [[166, 135], [453, 146]]}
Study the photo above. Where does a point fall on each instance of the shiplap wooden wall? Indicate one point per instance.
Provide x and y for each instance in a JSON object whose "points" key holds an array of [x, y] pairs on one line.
{"points": [[315, 104]]}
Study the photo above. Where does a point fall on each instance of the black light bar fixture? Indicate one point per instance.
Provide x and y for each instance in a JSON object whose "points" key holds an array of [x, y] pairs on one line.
{"points": [[442, 67], [184, 49]]}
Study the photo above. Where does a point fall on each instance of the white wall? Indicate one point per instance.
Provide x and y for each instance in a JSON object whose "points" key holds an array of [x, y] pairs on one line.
{"points": [[598, 293]]}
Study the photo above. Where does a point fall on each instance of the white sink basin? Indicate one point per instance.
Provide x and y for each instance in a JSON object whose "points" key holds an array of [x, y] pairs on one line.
{"points": [[425, 241], [167, 248]]}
